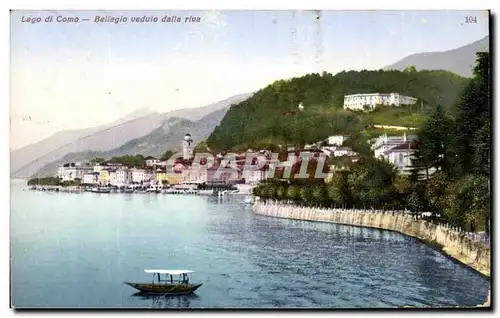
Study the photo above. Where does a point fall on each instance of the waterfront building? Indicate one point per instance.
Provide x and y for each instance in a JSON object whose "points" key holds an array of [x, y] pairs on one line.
{"points": [[160, 175], [173, 178], [187, 147], [70, 172], [104, 177], [360, 101], [139, 175], [120, 177], [112, 178], [91, 178], [219, 175], [253, 176], [194, 174]]}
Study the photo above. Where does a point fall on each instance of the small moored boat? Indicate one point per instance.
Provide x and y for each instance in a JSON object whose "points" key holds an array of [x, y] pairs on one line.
{"points": [[101, 190], [168, 286]]}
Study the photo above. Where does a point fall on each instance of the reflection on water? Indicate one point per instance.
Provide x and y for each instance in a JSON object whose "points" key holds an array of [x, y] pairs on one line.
{"points": [[166, 301]]}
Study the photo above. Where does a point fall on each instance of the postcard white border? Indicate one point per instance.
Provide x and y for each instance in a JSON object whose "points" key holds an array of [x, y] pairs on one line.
{"points": [[198, 4]]}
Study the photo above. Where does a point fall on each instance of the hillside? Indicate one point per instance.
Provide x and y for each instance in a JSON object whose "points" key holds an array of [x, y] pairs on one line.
{"points": [[459, 60], [272, 115], [23, 156], [109, 138], [168, 135]]}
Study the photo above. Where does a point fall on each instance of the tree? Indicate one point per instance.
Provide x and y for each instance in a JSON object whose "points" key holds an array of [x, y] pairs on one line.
{"points": [[370, 182], [415, 202], [305, 194], [293, 193], [270, 116], [467, 203], [481, 156], [402, 189], [410, 69], [96, 160], [435, 190], [319, 195], [338, 189], [167, 155], [473, 113], [435, 141], [281, 191]]}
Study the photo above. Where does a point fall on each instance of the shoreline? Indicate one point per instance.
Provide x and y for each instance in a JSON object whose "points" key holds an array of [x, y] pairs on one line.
{"points": [[454, 246]]}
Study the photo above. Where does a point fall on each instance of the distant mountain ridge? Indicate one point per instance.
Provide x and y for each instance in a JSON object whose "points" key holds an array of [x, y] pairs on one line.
{"points": [[104, 138], [460, 60], [168, 135], [23, 156]]}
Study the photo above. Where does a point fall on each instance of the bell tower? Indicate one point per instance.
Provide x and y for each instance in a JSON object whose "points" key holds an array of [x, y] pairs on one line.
{"points": [[187, 147]]}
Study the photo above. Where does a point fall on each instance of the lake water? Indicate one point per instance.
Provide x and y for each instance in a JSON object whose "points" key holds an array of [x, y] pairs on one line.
{"points": [[76, 250]]}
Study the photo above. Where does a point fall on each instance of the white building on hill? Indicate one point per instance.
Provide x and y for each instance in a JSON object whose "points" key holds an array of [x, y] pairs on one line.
{"points": [[384, 143], [359, 101]]}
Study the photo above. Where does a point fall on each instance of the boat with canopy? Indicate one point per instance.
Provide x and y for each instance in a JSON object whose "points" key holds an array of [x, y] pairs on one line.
{"points": [[175, 282]]}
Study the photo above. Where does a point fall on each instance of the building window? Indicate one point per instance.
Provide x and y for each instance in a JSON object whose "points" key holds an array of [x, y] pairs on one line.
{"points": [[401, 158]]}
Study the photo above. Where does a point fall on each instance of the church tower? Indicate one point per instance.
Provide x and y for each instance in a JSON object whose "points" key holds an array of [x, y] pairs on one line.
{"points": [[187, 147]]}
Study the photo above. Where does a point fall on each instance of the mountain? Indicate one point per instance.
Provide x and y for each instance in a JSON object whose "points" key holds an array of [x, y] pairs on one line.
{"points": [[23, 156], [168, 135], [116, 136], [460, 60], [310, 108]]}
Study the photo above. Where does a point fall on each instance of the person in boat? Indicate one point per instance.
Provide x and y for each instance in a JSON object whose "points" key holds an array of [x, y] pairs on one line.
{"points": [[185, 279]]}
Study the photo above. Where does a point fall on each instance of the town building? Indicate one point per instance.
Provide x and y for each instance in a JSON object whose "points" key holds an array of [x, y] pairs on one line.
{"points": [[173, 178], [384, 143], [71, 171], [112, 178], [91, 178], [104, 177], [194, 175], [336, 140], [139, 175], [338, 151], [253, 176], [400, 156], [120, 177], [360, 101], [152, 161]]}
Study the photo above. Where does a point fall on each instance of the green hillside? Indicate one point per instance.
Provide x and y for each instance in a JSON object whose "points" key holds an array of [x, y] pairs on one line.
{"points": [[272, 115]]}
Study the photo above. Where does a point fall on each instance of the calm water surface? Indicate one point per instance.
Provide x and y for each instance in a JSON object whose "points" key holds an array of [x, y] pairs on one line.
{"points": [[76, 250]]}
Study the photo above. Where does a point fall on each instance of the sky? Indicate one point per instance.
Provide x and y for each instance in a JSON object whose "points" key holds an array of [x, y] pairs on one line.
{"points": [[74, 75]]}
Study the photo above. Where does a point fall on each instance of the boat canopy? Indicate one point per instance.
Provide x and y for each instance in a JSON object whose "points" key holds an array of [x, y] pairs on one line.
{"points": [[169, 271]]}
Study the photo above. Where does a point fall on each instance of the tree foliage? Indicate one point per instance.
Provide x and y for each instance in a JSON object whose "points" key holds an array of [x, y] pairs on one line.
{"points": [[455, 145], [272, 116]]}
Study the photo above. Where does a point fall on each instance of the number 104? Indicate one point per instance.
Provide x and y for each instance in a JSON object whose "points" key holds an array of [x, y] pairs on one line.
{"points": [[470, 19]]}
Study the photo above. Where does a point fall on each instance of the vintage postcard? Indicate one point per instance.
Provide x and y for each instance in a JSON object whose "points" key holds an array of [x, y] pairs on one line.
{"points": [[250, 159]]}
